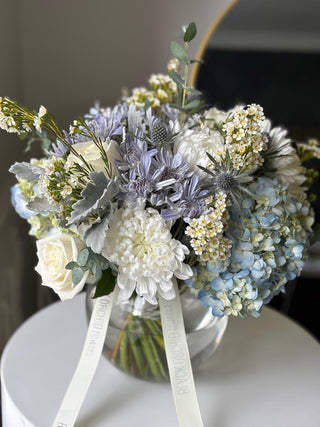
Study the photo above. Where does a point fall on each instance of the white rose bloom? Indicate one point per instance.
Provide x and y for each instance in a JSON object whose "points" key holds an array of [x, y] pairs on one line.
{"points": [[92, 155], [54, 253], [215, 115], [140, 243], [193, 145]]}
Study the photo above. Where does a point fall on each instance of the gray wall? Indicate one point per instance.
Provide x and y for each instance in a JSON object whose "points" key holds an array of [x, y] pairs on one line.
{"points": [[65, 54]]}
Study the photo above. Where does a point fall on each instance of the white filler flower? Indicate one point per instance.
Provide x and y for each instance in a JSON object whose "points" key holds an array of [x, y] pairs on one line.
{"points": [[139, 242]]}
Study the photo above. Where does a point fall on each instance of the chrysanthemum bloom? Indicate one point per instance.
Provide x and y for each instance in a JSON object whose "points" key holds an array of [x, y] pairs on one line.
{"points": [[140, 243], [193, 145], [283, 161]]}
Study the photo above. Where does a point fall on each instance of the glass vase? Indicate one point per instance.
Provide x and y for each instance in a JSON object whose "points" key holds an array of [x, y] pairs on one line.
{"points": [[134, 341]]}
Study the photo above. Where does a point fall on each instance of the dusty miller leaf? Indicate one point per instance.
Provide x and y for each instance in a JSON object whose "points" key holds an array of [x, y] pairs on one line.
{"points": [[26, 171], [96, 196], [42, 205], [95, 235]]}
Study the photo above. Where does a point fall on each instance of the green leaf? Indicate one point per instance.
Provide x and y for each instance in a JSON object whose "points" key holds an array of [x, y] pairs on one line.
{"points": [[23, 135], [190, 32], [83, 257], [193, 90], [179, 52], [71, 265], [192, 104], [77, 275], [176, 78], [106, 284], [147, 104]]}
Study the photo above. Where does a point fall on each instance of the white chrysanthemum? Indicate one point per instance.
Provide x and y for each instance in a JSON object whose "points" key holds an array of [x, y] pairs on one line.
{"points": [[139, 242], [193, 145], [285, 164]]}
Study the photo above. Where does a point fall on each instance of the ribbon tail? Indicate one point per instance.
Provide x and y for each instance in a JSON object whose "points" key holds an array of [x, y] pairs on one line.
{"points": [[180, 370], [88, 362]]}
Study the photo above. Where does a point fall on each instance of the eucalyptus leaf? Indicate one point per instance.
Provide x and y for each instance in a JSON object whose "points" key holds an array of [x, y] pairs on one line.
{"points": [[192, 104], [77, 275], [71, 265], [106, 284], [83, 257], [179, 52], [177, 78], [193, 90], [190, 32]]}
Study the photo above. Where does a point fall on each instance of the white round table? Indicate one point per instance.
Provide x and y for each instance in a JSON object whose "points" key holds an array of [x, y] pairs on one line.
{"points": [[266, 372]]}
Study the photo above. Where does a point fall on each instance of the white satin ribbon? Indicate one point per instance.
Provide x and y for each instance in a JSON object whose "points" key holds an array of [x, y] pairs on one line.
{"points": [[88, 362], [180, 370]]}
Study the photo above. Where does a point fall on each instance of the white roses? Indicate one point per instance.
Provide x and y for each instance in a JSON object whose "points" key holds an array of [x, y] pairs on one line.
{"points": [[54, 253], [92, 155]]}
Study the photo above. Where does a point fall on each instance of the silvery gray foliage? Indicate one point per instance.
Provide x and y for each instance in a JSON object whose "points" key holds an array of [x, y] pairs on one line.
{"points": [[95, 235], [42, 205], [27, 171], [96, 197]]}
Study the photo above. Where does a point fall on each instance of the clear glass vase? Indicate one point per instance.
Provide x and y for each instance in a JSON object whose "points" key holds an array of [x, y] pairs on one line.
{"points": [[134, 341]]}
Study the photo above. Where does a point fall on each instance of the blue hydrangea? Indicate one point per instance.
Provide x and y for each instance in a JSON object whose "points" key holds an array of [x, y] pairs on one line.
{"points": [[20, 202], [269, 239]]}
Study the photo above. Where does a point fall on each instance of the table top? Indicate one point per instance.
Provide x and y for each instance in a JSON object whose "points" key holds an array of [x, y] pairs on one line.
{"points": [[266, 372]]}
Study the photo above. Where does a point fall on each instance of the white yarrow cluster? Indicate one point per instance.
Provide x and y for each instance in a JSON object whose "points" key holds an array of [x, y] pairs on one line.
{"points": [[140, 243]]}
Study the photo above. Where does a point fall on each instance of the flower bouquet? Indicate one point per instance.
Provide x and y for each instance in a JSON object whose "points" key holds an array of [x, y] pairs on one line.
{"points": [[160, 194]]}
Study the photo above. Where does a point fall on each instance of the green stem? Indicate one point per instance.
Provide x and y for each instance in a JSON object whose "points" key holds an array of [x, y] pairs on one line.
{"points": [[123, 351], [153, 364], [186, 76], [116, 348], [156, 331], [137, 353]]}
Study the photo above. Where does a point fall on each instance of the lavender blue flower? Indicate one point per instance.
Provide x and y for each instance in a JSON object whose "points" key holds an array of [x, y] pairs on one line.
{"points": [[103, 123], [163, 179]]}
